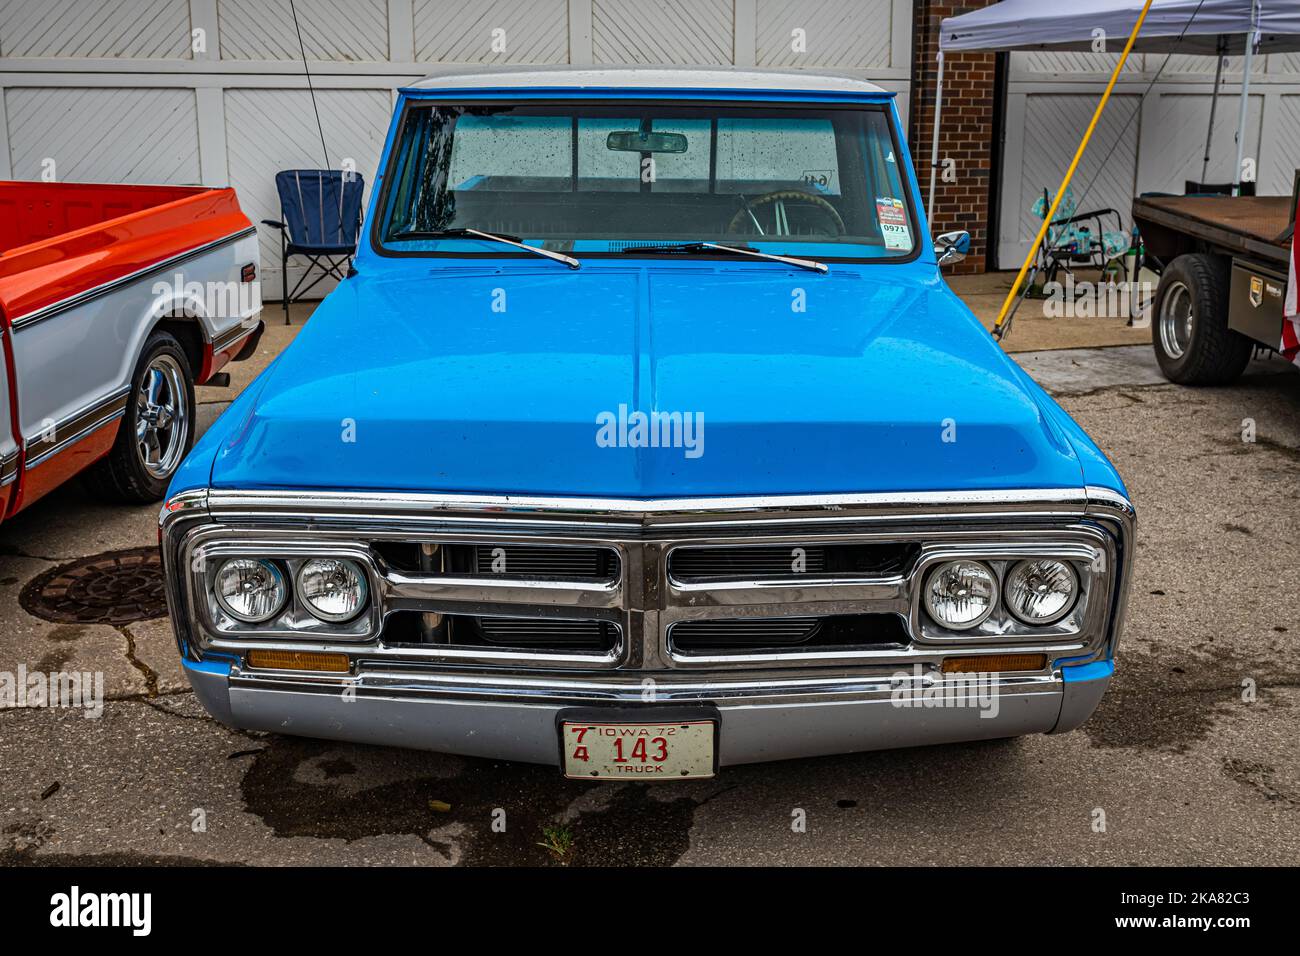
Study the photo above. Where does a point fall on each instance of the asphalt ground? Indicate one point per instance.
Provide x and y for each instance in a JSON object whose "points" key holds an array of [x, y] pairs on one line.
{"points": [[1180, 762]]}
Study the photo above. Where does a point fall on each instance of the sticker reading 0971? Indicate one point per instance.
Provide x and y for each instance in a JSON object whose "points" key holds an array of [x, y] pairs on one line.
{"points": [[646, 751], [892, 215]]}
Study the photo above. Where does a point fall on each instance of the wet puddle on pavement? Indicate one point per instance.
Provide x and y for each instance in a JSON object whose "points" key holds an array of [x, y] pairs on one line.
{"points": [[321, 789]]}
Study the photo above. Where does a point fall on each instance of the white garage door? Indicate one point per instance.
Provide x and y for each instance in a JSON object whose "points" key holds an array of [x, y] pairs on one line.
{"points": [[212, 91], [1152, 148]]}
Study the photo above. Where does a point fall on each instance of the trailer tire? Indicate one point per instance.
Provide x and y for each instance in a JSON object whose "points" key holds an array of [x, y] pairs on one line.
{"points": [[157, 429], [1189, 326]]}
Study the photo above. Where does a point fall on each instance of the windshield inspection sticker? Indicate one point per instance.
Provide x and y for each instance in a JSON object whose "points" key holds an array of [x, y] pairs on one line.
{"points": [[893, 223]]}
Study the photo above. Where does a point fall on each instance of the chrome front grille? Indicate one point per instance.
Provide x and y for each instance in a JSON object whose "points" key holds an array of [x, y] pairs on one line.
{"points": [[676, 586], [682, 599]]}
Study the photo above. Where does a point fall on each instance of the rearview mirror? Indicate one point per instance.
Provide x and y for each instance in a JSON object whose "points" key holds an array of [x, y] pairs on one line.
{"points": [[639, 141], [952, 246]]}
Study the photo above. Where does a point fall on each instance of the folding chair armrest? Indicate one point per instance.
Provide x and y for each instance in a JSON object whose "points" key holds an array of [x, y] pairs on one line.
{"points": [[1099, 213], [274, 222], [1079, 218]]}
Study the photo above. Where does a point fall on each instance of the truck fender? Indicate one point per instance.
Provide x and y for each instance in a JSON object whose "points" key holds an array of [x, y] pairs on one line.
{"points": [[180, 310]]}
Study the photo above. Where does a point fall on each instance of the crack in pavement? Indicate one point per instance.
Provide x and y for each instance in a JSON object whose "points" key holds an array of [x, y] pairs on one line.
{"points": [[1259, 777], [1119, 388], [1270, 444], [10, 551], [150, 675], [203, 717], [145, 698], [156, 706], [1237, 447]]}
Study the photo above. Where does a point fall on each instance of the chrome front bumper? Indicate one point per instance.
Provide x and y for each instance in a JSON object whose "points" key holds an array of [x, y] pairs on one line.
{"points": [[769, 709], [804, 718]]}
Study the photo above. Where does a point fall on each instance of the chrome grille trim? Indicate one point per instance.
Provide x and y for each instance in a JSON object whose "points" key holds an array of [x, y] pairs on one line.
{"points": [[788, 630], [644, 602], [414, 592], [638, 518]]}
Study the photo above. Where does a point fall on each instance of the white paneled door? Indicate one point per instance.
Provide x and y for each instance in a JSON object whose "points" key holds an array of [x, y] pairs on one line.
{"points": [[213, 92], [134, 135], [1145, 143]]}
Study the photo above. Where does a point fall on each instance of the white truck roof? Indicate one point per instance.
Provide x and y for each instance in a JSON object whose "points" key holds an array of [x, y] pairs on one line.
{"points": [[685, 78]]}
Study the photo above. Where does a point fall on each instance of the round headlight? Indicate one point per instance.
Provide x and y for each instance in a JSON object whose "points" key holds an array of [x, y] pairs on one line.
{"points": [[333, 589], [1041, 591], [250, 590], [960, 594]]}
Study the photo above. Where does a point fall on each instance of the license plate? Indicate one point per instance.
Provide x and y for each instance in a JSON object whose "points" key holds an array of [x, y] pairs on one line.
{"points": [[645, 751]]}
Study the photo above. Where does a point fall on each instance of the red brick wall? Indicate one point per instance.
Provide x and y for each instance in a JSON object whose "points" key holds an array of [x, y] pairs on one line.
{"points": [[966, 130]]}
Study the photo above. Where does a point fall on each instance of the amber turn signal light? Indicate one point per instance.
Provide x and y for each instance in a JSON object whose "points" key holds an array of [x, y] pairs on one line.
{"points": [[990, 663], [298, 661]]}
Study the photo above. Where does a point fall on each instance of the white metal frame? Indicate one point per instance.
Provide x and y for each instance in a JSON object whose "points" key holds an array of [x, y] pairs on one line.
{"points": [[1252, 41], [934, 147]]}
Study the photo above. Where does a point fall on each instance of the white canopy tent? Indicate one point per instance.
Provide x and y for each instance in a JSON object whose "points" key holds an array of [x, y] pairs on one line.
{"points": [[1222, 27]]}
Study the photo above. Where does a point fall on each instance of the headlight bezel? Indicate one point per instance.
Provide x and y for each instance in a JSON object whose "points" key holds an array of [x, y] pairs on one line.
{"points": [[1089, 554], [295, 623]]}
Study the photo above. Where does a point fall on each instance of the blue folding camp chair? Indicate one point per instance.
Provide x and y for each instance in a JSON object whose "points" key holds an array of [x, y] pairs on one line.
{"points": [[321, 219], [1079, 238]]}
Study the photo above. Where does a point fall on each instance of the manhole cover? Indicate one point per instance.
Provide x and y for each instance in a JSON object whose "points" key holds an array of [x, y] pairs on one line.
{"points": [[112, 588]]}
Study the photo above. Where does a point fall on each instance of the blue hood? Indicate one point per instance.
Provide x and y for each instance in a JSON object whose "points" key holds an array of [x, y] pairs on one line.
{"points": [[498, 379]]}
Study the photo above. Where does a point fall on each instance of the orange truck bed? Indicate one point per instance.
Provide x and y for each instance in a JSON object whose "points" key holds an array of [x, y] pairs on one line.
{"points": [[80, 264]]}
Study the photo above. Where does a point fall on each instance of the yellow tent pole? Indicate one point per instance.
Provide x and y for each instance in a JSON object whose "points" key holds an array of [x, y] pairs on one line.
{"points": [[1069, 173]]}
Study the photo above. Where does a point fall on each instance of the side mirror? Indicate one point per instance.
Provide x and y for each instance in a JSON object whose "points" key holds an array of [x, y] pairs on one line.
{"points": [[952, 246]]}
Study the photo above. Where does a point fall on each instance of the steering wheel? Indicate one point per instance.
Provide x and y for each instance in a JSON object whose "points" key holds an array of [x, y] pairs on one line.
{"points": [[781, 197]]}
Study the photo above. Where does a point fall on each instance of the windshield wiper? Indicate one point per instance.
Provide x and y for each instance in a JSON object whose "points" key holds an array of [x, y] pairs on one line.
{"points": [[515, 241], [690, 247]]}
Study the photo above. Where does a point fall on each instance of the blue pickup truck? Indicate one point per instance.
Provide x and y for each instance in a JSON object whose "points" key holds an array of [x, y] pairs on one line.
{"points": [[645, 438]]}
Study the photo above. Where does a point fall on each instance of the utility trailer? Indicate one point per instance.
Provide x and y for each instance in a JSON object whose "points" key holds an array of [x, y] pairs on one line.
{"points": [[1223, 266]]}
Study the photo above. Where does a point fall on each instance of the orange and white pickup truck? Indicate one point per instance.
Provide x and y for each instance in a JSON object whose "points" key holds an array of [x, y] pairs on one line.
{"points": [[114, 301]]}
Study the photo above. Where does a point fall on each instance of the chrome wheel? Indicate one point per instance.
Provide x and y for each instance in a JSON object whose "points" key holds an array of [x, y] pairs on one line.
{"points": [[1176, 320], [162, 416]]}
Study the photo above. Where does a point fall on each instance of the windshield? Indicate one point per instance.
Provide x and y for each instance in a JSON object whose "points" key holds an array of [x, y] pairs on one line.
{"points": [[599, 179]]}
